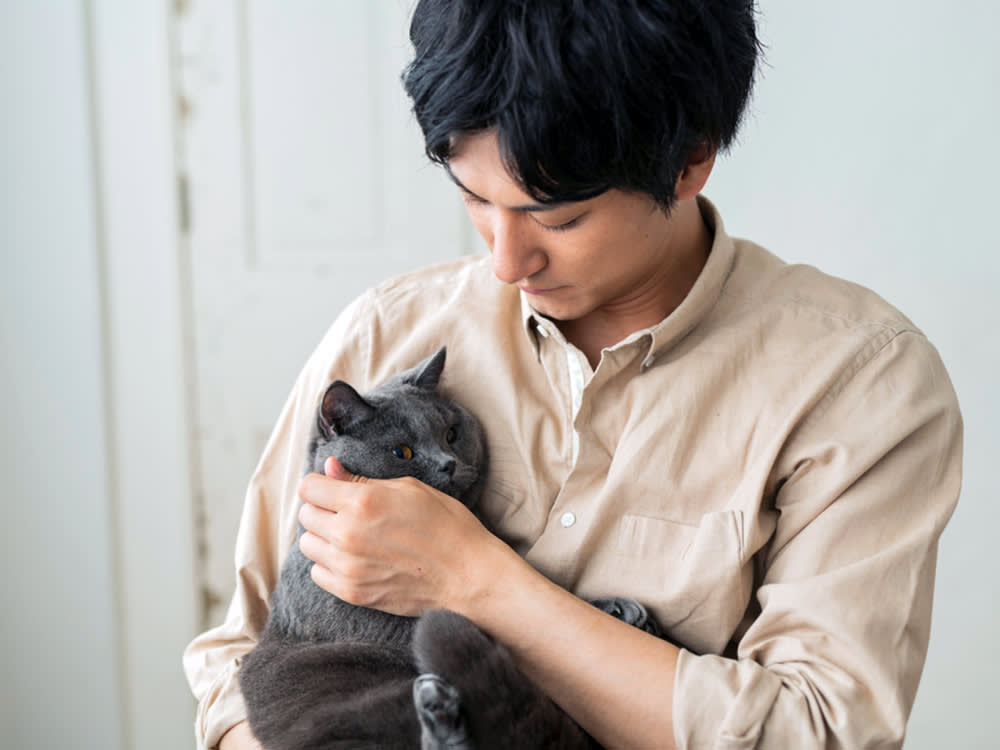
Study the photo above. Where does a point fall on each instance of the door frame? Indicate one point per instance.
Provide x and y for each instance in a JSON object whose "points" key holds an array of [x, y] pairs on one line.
{"points": [[144, 289]]}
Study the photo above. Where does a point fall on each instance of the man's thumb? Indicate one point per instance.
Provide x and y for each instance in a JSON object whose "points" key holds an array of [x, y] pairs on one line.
{"points": [[335, 470]]}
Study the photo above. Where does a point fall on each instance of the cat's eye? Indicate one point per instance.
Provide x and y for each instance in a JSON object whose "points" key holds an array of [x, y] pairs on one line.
{"points": [[402, 451], [451, 436]]}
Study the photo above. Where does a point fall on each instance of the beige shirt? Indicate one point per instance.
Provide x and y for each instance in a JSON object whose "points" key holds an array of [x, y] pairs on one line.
{"points": [[768, 469]]}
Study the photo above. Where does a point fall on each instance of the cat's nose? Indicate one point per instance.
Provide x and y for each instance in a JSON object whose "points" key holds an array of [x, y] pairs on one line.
{"points": [[447, 466]]}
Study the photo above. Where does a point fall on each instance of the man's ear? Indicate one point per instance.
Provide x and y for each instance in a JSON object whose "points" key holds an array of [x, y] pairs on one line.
{"points": [[695, 173], [342, 408]]}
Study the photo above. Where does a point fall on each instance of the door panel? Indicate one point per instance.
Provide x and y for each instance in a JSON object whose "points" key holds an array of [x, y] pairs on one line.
{"points": [[305, 182]]}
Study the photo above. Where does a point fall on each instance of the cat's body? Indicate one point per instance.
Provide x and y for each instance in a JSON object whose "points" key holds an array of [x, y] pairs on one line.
{"points": [[328, 674], [439, 443]]}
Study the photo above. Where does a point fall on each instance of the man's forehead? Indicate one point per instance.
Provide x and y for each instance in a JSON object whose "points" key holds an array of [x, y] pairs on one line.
{"points": [[529, 207], [477, 167]]}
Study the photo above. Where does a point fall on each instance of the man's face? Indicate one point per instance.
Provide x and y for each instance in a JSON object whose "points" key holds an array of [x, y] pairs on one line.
{"points": [[609, 254]]}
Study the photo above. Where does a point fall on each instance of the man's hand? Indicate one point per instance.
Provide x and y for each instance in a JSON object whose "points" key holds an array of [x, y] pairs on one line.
{"points": [[395, 545], [239, 738]]}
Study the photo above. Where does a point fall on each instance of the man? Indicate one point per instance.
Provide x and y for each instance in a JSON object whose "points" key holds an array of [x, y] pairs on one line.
{"points": [[761, 454]]}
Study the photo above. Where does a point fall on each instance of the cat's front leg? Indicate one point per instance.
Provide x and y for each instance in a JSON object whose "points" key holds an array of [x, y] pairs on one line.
{"points": [[628, 611]]}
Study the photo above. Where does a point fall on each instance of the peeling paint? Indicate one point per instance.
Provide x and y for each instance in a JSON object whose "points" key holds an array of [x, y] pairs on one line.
{"points": [[207, 597], [209, 600]]}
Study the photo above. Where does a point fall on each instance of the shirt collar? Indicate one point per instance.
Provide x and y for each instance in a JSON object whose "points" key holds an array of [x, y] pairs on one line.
{"points": [[695, 307]]}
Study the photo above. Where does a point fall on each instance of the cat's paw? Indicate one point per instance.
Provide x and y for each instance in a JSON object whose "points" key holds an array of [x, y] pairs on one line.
{"points": [[628, 611], [439, 709]]}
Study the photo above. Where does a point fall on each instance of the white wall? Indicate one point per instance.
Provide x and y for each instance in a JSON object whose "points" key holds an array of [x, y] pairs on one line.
{"points": [[98, 591], [871, 152], [61, 683]]}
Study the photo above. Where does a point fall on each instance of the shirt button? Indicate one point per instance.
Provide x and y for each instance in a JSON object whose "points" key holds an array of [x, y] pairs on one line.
{"points": [[648, 363], [567, 520], [543, 332]]}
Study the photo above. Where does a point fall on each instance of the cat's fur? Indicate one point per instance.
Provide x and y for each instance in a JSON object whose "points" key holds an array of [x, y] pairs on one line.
{"points": [[328, 674]]}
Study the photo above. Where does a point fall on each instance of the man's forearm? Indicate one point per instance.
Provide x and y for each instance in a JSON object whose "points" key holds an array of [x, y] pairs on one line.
{"points": [[587, 661]]}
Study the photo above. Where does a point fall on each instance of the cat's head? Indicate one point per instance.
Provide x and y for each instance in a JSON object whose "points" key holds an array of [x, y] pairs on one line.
{"points": [[404, 427]]}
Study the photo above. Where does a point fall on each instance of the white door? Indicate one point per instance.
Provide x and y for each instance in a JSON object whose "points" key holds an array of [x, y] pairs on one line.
{"points": [[305, 182]]}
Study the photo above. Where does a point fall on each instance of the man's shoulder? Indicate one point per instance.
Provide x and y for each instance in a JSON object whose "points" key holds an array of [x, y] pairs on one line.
{"points": [[469, 275], [398, 322], [814, 333], [806, 298], [458, 303]]}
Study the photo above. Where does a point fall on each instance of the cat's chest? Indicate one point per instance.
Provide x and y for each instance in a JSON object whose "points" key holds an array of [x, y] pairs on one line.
{"points": [[347, 622], [303, 611]]}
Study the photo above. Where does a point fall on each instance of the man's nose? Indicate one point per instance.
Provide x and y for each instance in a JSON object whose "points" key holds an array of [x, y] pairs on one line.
{"points": [[516, 255]]}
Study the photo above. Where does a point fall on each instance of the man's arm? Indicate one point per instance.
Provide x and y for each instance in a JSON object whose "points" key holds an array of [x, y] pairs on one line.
{"points": [[239, 738], [615, 680]]}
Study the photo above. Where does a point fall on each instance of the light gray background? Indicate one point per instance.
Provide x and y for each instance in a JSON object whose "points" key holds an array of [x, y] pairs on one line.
{"points": [[870, 151]]}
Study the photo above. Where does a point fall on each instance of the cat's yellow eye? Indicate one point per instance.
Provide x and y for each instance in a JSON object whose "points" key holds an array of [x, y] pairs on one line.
{"points": [[404, 452]]}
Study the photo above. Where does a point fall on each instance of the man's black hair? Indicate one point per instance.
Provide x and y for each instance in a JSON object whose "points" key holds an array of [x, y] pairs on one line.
{"points": [[585, 95]]}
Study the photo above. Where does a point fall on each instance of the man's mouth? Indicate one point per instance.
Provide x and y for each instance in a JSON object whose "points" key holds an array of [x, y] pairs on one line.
{"points": [[537, 291]]}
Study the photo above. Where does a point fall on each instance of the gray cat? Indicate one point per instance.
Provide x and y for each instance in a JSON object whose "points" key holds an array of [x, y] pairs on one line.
{"points": [[328, 674]]}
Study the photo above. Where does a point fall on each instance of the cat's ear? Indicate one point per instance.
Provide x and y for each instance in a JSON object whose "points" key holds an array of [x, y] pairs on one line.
{"points": [[342, 408], [427, 374]]}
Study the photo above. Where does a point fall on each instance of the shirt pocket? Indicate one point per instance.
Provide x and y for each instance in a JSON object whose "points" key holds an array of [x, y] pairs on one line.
{"points": [[692, 576]]}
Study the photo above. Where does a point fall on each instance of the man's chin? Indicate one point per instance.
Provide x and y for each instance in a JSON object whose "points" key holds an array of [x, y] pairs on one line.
{"points": [[558, 313], [559, 304]]}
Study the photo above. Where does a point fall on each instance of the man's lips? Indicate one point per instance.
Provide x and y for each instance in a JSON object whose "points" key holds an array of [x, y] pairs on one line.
{"points": [[536, 291]]}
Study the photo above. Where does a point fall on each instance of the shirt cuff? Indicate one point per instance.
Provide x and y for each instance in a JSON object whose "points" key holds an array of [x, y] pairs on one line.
{"points": [[221, 709], [720, 703]]}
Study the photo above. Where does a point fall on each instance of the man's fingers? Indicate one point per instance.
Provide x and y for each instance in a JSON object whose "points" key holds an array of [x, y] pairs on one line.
{"points": [[346, 576], [318, 490], [324, 579], [315, 548], [314, 490], [315, 520]]}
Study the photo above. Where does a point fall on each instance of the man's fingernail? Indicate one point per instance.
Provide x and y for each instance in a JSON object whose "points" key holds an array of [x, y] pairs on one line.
{"points": [[332, 468]]}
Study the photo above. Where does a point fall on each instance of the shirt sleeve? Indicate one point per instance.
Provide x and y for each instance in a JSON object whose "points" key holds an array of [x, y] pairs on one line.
{"points": [[869, 479], [268, 528]]}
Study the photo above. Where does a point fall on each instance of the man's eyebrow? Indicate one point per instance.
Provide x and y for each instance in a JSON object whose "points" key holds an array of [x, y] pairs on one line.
{"points": [[527, 208]]}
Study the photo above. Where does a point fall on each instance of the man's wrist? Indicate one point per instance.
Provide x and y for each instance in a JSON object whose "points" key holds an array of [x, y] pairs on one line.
{"points": [[499, 584]]}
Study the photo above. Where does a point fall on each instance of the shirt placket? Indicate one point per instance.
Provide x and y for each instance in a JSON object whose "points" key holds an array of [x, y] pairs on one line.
{"points": [[577, 382], [568, 526], [567, 376]]}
